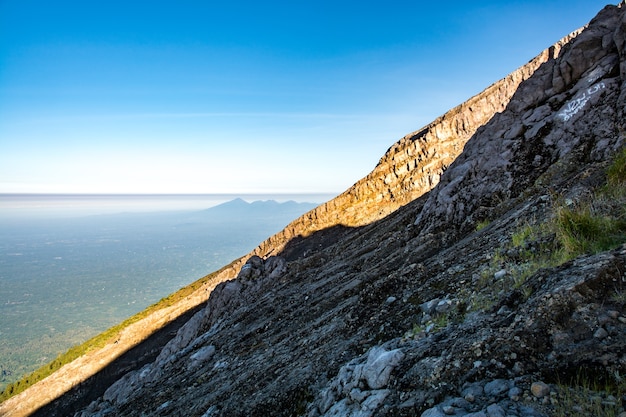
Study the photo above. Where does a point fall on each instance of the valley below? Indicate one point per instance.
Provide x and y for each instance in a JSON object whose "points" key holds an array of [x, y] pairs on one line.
{"points": [[67, 279]]}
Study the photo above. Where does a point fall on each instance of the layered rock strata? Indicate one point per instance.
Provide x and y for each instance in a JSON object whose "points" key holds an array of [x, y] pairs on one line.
{"points": [[414, 164]]}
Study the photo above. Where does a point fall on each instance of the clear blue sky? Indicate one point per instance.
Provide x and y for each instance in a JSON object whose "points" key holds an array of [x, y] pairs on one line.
{"points": [[242, 96]]}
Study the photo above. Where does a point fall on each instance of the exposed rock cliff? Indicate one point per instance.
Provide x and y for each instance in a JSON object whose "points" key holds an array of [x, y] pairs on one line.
{"points": [[413, 165], [389, 300], [572, 103]]}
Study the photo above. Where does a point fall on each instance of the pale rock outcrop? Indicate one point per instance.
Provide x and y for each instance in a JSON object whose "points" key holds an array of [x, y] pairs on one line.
{"points": [[358, 389]]}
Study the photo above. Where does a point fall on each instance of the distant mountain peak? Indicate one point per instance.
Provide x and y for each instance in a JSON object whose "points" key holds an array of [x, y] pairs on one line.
{"points": [[260, 209]]}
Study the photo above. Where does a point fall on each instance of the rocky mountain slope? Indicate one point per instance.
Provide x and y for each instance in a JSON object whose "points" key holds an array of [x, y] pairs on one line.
{"points": [[437, 285]]}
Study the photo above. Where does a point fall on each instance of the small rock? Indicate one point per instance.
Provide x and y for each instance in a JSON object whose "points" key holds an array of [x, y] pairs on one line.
{"points": [[504, 310], [500, 274], [495, 410], [429, 306], [373, 400], [443, 306], [449, 410], [496, 387], [212, 411], [203, 354], [478, 414], [459, 402], [600, 333], [515, 393], [614, 314], [472, 391], [380, 363], [357, 395], [408, 404], [391, 299], [164, 405], [604, 319], [560, 338], [540, 389], [526, 411], [434, 412]]}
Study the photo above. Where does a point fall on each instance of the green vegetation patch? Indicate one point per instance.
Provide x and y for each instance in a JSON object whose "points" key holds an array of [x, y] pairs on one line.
{"points": [[599, 223], [616, 173], [584, 396], [592, 225], [588, 229]]}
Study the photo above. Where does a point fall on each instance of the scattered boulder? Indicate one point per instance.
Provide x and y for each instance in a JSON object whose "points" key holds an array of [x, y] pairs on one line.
{"points": [[358, 388], [540, 389], [252, 269]]}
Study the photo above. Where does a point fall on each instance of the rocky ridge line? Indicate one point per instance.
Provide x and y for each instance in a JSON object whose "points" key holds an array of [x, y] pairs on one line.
{"points": [[413, 165], [568, 101]]}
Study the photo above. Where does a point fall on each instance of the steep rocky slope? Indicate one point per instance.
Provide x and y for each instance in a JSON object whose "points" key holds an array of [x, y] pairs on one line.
{"points": [[407, 294], [413, 165]]}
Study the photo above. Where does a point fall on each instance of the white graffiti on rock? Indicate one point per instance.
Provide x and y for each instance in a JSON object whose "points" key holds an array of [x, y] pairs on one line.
{"points": [[579, 102]]}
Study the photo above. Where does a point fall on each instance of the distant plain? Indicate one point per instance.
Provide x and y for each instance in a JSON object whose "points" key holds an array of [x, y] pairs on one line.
{"points": [[68, 273]]}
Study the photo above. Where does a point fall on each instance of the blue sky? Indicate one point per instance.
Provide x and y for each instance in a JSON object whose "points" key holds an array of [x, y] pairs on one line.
{"points": [[242, 96]]}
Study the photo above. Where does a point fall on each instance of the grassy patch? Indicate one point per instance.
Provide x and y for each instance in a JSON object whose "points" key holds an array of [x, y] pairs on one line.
{"points": [[619, 297], [453, 312], [584, 397], [481, 225], [433, 325], [599, 223], [593, 225], [521, 236], [529, 249], [616, 172], [588, 229]]}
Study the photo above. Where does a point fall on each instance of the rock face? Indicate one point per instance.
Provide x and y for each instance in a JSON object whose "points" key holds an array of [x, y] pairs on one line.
{"points": [[572, 103], [413, 165], [388, 300]]}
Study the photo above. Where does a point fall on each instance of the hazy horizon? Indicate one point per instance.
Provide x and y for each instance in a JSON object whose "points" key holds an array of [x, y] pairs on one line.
{"points": [[67, 205]]}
